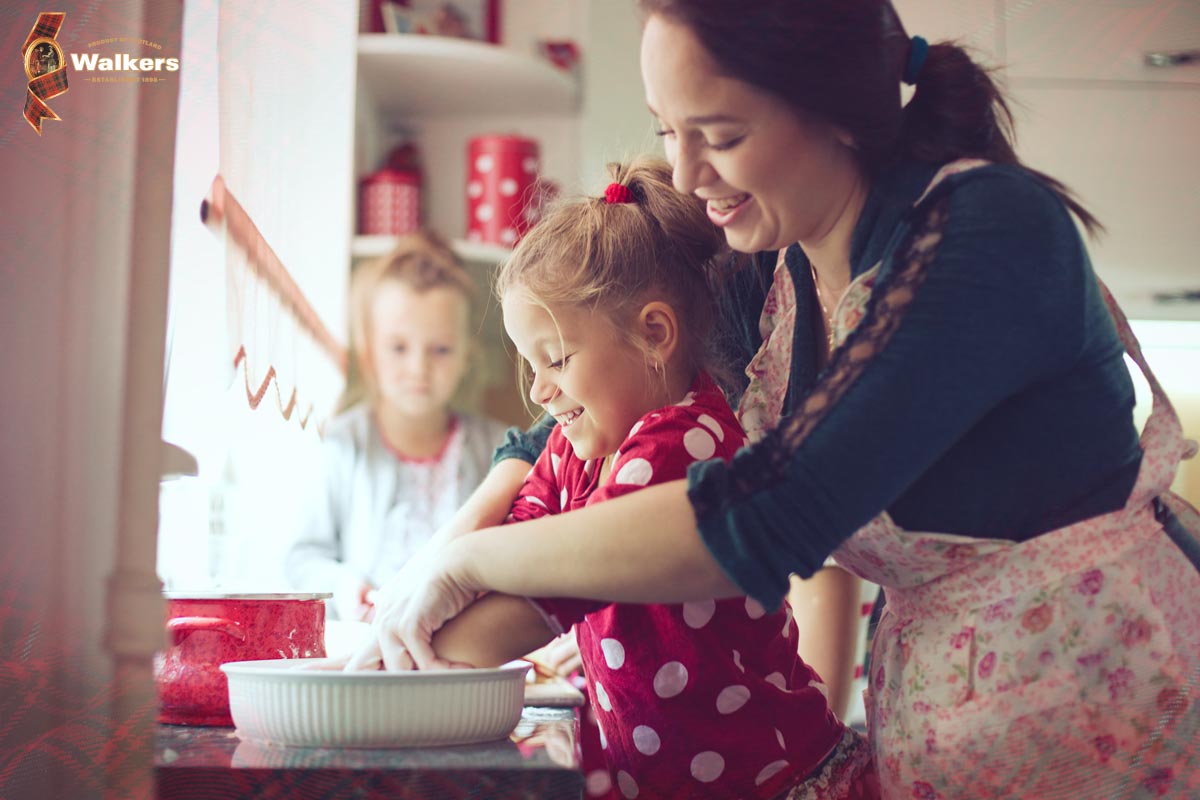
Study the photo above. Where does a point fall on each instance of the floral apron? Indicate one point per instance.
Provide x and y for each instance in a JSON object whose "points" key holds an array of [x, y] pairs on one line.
{"points": [[1065, 666]]}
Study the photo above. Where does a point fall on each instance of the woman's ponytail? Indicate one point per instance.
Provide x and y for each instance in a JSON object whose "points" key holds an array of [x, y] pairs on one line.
{"points": [[959, 111]]}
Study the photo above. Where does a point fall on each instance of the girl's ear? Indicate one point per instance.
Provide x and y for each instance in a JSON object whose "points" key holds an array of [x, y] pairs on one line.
{"points": [[659, 326]]}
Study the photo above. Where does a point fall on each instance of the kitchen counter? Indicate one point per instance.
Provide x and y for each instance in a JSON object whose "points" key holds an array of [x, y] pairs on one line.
{"points": [[537, 762]]}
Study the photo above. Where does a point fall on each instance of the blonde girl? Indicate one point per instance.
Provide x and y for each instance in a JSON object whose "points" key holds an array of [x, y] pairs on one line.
{"points": [[398, 461]]}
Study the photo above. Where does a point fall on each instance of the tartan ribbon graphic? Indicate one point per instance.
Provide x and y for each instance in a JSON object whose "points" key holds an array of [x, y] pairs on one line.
{"points": [[48, 85]]}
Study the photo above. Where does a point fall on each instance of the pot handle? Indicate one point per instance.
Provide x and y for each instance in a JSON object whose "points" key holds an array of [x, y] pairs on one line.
{"points": [[180, 627]]}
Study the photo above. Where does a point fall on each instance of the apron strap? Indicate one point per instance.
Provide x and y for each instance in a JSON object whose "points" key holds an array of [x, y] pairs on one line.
{"points": [[1162, 436]]}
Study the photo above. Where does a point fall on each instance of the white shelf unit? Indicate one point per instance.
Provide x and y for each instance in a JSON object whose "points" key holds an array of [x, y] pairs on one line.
{"points": [[427, 75], [439, 93], [473, 252]]}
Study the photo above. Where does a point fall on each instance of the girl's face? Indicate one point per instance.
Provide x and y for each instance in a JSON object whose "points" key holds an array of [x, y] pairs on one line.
{"points": [[419, 346], [770, 178], [589, 378]]}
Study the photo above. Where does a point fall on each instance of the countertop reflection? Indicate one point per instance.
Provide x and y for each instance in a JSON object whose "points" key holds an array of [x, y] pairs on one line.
{"points": [[538, 761]]}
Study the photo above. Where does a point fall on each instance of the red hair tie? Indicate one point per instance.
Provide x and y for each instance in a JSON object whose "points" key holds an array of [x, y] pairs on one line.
{"points": [[618, 193]]}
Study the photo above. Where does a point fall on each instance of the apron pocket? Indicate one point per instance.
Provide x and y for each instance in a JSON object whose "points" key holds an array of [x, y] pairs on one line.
{"points": [[1072, 689]]}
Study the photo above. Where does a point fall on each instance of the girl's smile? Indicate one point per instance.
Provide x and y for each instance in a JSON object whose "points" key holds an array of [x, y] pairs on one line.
{"points": [[586, 374]]}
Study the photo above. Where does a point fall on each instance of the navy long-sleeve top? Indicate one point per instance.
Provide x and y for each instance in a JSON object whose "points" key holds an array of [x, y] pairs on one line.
{"points": [[1000, 407]]}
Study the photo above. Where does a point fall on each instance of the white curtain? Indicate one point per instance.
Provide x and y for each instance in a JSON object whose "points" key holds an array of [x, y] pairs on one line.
{"points": [[266, 110], [286, 111]]}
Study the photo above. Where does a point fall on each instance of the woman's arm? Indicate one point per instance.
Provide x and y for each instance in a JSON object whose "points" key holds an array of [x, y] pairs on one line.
{"points": [[642, 548], [493, 630], [639, 548]]}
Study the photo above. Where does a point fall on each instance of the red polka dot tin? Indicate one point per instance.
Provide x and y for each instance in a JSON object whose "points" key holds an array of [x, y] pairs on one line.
{"points": [[206, 630], [503, 199]]}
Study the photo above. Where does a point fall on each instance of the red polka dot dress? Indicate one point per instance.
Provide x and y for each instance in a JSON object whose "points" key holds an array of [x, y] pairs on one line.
{"points": [[702, 699]]}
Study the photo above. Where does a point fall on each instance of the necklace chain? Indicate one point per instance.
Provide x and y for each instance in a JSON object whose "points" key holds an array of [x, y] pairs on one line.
{"points": [[827, 317]]}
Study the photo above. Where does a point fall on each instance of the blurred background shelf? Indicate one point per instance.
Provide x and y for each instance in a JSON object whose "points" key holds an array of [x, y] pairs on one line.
{"points": [[471, 252], [433, 75]]}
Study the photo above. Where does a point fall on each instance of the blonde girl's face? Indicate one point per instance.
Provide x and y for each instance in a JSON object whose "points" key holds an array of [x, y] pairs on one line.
{"points": [[768, 177], [419, 346], [585, 375]]}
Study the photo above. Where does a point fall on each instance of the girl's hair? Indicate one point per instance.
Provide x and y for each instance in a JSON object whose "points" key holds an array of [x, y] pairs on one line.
{"points": [[421, 261], [841, 61], [615, 257]]}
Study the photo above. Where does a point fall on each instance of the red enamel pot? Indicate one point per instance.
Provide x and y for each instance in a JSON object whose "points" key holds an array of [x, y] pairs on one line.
{"points": [[206, 630]]}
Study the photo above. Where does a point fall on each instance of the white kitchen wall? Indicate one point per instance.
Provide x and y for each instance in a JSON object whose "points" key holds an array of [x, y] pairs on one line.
{"points": [[1172, 349], [614, 122]]}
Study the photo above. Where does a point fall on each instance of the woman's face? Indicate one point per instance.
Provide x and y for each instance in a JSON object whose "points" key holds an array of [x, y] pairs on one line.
{"points": [[770, 178]]}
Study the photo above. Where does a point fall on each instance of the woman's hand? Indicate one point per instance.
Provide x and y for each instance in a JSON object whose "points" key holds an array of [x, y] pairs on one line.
{"points": [[431, 588]]}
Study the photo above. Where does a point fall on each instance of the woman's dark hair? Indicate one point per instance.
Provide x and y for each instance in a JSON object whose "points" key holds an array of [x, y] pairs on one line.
{"points": [[840, 61]]}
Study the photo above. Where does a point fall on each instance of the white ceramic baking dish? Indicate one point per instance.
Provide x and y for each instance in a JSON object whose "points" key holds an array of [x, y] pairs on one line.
{"points": [[290, 702]]}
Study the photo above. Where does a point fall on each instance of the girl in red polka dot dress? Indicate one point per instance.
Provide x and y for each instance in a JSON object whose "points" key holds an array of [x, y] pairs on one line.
{"points": [[606, 301]]}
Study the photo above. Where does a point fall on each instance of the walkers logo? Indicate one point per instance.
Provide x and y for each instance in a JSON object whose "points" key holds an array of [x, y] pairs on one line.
{"points": [[45, 68]]}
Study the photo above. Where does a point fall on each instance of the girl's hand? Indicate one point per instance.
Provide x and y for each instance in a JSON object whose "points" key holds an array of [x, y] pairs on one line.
{"points": [[562, 654], [352, 600], [431, 588]]}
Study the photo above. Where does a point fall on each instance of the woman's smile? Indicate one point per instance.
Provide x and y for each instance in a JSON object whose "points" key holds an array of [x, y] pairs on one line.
{"points": [[724, 210]]}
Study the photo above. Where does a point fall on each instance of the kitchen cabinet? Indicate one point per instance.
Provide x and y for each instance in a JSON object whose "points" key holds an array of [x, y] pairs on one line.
{"points": [[1119, 132], [1100, 40], [439, 93], [1092, 113]]}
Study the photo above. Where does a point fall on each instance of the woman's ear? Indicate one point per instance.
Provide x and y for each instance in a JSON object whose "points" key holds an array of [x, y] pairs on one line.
{"points": [[659, 326]]}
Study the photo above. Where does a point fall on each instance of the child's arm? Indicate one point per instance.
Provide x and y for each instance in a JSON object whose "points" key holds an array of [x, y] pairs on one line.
{"points": [[826, 609], [489, 504], [493, 630]]}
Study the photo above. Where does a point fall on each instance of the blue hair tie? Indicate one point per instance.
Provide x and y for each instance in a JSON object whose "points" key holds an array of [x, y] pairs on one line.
{"points": [[917, 52]]}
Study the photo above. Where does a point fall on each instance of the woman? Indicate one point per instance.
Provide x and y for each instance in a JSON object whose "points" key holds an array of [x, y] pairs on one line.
{"points": [[928, 351]]}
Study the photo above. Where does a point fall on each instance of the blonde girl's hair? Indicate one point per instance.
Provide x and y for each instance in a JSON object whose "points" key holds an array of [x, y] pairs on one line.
{"points": [[422, 261], [615, 257]]}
